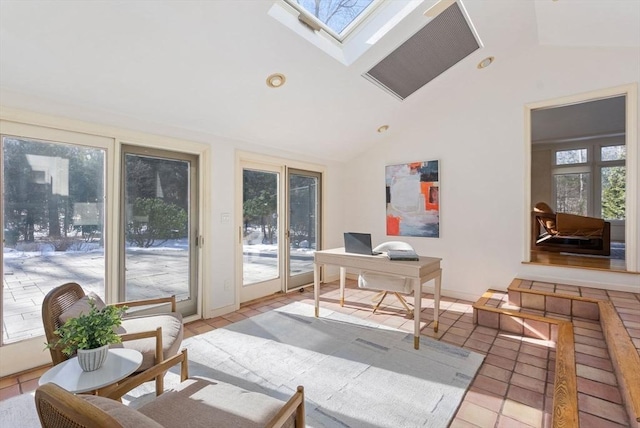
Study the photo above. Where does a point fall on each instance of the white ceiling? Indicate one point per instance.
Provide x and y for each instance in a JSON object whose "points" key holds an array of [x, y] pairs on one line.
{"points": [[197, 69]]}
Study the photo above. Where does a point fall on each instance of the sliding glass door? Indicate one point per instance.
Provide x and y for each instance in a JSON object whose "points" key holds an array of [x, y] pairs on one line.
{"points": [[280, 228], [303, 201], [260, 232], [159, 216], [53, 196]]}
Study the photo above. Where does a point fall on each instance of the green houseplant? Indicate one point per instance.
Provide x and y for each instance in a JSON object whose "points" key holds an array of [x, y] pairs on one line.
{"points": [[90, 334]]}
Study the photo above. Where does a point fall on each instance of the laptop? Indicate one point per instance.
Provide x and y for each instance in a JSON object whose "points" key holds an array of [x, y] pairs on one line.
{"points": [[358, 243]]}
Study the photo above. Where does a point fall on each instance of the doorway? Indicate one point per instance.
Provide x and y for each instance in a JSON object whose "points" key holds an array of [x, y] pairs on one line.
{"points": [[582, 160], [280, 228]]}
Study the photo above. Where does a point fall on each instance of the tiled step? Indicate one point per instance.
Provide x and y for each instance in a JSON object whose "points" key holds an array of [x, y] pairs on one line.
{"points": [[490, 311], [622, 351], [551, 315]]}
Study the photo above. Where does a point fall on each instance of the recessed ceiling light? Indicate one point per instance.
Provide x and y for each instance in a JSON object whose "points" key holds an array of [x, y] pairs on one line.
{"points": [[383, 129], [276, 80], [485, 62]]}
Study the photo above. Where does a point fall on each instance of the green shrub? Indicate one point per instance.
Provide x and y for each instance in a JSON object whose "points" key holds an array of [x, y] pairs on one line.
{"points": [[156, 220]]}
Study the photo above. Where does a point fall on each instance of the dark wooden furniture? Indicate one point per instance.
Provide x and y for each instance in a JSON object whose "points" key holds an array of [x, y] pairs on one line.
{"points": [[546, 236]]}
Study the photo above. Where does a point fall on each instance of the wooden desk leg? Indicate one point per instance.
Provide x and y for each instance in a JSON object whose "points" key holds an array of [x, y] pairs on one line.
{"points": [[417, 290], [343, 279], [436, 298], [316, 287]]}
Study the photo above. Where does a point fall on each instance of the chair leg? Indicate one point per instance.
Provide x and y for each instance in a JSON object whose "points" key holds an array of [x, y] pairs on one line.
{"points": [[380, 301], [160, 384], [378, 297], [405, 304]]}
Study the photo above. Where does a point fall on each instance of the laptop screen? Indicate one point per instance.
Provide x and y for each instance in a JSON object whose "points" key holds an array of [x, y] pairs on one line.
{"points": [[359, 243]]}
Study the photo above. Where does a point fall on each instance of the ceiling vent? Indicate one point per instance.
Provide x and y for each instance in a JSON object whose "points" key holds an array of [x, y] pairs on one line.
{"points": [[440, 44]]}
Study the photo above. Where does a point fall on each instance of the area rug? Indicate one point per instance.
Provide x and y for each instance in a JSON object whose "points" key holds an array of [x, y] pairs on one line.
{"points": [[19, 412], [355, 373]]}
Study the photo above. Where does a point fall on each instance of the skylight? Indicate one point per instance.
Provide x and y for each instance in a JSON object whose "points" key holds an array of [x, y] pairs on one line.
{"points": [[336, 17]]}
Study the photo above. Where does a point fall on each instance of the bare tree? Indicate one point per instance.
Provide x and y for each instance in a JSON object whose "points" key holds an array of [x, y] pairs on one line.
{"points": [[343, 11]]}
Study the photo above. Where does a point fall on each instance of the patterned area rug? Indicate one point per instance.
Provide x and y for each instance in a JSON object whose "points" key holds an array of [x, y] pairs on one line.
{"points": [[355, 373]]}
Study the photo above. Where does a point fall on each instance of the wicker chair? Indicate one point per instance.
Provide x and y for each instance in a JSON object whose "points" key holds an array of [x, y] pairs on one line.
{"points": [[196, 402], [157, 344]]}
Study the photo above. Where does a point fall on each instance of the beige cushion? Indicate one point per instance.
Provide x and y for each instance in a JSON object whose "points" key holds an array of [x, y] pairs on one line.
{"points": [[380, 281], [172, 334], [81, 307], [209, 403], [128, 417]]}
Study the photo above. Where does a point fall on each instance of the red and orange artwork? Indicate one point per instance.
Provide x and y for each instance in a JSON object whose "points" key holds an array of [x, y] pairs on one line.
{"points": [[413, 199]]}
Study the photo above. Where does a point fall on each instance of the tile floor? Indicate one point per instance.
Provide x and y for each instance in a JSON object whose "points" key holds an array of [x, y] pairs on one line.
{"points": [[514, 386]]}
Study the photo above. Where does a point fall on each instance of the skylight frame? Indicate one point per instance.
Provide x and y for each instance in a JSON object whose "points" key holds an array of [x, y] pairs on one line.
{"points": [[339, 37]]}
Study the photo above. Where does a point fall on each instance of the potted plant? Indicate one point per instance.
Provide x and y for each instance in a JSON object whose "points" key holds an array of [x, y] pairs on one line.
{"points": [[89, 335]]}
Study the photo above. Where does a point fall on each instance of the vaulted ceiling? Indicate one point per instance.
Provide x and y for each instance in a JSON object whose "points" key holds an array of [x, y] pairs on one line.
{"points": [[197, 69]]}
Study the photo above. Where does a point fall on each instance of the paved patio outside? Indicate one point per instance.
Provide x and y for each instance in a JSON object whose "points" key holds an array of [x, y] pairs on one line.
{"points": [[28, 277]]}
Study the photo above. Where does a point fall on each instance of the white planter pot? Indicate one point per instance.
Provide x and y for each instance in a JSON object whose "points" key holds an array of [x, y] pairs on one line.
{"points": [[92, 359]]}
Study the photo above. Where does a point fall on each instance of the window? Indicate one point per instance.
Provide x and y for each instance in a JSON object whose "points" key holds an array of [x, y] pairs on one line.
{"points": [[336, 17], [590, 180], [571, 157], [572, 193], [613, 182], [335, 23]]}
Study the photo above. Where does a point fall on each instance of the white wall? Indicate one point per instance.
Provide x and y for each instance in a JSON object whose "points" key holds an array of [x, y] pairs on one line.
{"points": [[476, 129]]}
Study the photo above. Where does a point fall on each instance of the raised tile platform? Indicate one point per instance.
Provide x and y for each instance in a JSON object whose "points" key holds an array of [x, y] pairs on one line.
{"points": [[587, 325]]}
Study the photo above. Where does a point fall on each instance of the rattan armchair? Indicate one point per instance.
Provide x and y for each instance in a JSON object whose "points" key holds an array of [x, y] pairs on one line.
{"points": [[195, 402], [156, 336]]}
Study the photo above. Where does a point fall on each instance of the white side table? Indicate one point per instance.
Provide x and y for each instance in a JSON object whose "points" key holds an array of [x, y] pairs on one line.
{"points": [[119, 364]]}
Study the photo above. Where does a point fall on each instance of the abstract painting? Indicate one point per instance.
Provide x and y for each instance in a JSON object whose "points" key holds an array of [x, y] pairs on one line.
{"points": [[413, 207]]}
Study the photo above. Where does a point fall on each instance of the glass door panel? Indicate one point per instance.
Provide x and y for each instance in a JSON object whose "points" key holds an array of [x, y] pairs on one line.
{"points": [[53, 227], [160, 214], [260, 240], [304, 202]]}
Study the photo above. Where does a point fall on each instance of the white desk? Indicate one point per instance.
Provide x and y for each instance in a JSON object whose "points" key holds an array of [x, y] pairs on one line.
{"points": [[119, 364], [427, 268]]}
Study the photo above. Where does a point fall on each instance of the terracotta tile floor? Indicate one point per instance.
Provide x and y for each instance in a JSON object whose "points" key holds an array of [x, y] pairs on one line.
{"points": [[514, 385]]}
